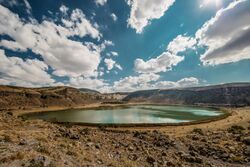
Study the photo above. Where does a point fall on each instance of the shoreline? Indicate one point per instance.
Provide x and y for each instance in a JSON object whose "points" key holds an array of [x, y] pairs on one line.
{"points": [[231, 116], [129, 125]]}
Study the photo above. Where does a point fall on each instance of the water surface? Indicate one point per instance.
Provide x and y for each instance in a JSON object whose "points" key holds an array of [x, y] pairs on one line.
{"points": [[137, 114]]}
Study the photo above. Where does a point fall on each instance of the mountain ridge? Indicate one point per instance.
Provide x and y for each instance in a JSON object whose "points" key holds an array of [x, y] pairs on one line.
{"points": [[230, 94]]}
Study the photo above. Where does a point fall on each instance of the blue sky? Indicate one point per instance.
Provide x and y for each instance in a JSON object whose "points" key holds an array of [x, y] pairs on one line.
{"points": [[124, 45]]}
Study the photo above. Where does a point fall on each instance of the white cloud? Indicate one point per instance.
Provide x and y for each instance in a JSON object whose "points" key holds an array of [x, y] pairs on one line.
{"points": [[113, 16], [168, 58], [81, 26], [91, 83], [108, 43], [66, 57], [162, 63], [111, 64], [20, 3], [143, 11], [114, 53], [9, 2], [118, 66], [227, 35], [31, 72], [28, 7], [132, 83], [180, 44], [185, 82], [64, 9], [148, 81], [100, 2], [12, 45]]}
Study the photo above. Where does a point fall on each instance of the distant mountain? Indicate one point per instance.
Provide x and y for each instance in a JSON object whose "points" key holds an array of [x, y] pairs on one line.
{"points": [[86, 90], [233, 94]]}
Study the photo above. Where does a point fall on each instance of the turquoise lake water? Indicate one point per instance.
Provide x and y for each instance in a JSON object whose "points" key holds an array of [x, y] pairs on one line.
{"points": [[138, 114]]}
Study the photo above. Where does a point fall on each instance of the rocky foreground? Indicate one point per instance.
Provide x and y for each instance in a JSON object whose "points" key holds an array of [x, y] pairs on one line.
{"points": [[38, 143]]}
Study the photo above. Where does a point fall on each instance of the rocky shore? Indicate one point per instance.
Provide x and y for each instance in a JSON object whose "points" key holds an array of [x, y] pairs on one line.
{"points": [[34, 143]]}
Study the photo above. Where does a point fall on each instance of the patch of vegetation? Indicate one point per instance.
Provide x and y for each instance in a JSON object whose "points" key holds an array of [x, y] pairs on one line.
{"points": [[5, 138], [42, 149], [235, 129], [198, 131]]}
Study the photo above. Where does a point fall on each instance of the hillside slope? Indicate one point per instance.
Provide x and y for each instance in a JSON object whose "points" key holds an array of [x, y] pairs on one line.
{"points": [[19, 97], [235, 94]]}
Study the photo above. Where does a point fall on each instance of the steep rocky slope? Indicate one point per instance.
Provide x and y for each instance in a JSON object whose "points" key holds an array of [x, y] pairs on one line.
{"points": [[235, 94]]}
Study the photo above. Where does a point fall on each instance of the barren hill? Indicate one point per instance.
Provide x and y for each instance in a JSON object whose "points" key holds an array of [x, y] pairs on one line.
{"points": [[234, 94], [20, 97]]}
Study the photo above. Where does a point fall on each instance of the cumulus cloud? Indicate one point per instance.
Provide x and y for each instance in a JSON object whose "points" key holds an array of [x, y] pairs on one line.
{"points": [[108, 43], [64, 9], [114, 53], [16, 71], [9, 2], [111, 64], [162, 63], [24, 4], [227, 35], [65, 56], [143, 11], [149, 81], [28, 7], [12, 45], [185, 82], [132, 83], [118, 66], [168, 58], [82, 82], [181, 43], [100, 2], [113, 16]]}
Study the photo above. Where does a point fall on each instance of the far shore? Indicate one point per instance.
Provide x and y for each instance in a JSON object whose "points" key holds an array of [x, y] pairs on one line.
{"points": [[239, 116]]}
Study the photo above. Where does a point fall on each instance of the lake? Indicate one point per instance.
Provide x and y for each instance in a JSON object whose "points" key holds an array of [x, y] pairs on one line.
{"points": [[136, 114]]}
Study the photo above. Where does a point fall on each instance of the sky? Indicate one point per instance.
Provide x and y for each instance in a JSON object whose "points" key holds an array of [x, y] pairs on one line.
{"points": [[124, 45]]}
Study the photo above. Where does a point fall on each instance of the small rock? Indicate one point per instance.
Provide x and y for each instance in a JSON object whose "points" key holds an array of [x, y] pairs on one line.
{"points": [[191, 159], [99, 161], [224, 156], [246, 140], [198, 131], [40, 161], [195, 137], [130, 148], [89, 144], [150, 160], [98, 146], [133, 157], [247, 151], [163, 154], [22, 142], [10, 113]]}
